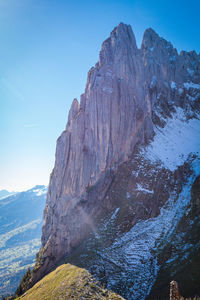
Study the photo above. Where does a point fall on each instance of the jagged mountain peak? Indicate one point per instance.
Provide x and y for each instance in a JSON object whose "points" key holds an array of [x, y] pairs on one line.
{"points": [[149, 37], [152, 42], [73, 110], [121, 28], [129, 96], [121, 42], [123, 31]]}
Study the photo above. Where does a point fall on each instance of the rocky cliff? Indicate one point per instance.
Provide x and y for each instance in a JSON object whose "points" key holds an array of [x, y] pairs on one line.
{"points": [[103, 154]]}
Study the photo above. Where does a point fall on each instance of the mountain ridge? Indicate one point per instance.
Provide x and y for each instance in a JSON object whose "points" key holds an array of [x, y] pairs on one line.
{"points": [[129, 93]]}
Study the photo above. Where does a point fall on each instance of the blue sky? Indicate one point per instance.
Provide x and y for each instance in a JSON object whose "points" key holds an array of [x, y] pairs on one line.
{"points": [[47, 48]]}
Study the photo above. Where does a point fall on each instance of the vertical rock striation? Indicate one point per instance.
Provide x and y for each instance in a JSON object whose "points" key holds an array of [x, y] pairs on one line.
{"points": [[115, 113]]}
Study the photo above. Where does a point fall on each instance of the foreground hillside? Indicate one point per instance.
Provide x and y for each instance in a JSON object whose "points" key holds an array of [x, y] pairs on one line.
{"points": [[20, 231], [68, 282]]}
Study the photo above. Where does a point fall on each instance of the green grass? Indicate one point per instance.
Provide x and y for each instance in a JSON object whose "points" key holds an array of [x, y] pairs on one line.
{"points": [[68, 282]]}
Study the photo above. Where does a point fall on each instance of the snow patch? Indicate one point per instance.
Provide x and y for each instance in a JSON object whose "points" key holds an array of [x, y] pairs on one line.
{"points": [[190, 98], [191, 85], [107, 90], [142, 189], [40, 191], [153, 82], [180, 91], [173, 85], [128, 195], [173, 143], [114, 214], [135, 173], [172, 58], [158, 96], [191, 72]]}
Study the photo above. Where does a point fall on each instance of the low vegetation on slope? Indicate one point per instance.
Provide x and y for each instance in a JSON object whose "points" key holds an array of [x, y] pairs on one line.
{"points": [[68, 282]]}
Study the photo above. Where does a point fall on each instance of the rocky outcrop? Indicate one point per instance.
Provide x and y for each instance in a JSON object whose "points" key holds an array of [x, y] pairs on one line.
{"points": [[174, 292], [124, 91]]}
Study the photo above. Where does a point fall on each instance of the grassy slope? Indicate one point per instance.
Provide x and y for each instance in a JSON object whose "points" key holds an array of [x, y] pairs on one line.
{"points": [[68, 282]]}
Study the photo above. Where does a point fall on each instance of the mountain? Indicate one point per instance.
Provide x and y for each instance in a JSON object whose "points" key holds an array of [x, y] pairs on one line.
{"points": [[121, 197], [5, 193], [20, 232]]}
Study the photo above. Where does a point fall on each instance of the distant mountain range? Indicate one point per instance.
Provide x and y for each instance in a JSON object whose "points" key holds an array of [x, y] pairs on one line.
{"points": [[5, 193], [20, 233]]}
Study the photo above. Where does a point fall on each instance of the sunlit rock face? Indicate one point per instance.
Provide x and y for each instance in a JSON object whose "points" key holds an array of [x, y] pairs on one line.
{"points": [[130, 95], [114, 115]]}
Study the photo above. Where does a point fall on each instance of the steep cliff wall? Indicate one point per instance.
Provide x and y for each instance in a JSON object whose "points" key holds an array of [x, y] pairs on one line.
{"points": [[124, 93]]}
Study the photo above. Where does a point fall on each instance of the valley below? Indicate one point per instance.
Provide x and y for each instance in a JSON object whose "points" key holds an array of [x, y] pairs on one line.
{"points": [[20, 234]]}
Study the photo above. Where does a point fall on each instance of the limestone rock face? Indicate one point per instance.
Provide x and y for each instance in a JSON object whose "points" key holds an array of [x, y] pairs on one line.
{"points": [[114, 115]]}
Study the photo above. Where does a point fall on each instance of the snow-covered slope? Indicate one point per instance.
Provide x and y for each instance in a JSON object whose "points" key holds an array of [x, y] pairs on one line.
{"points": [[137, 250], [175, 142]]}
